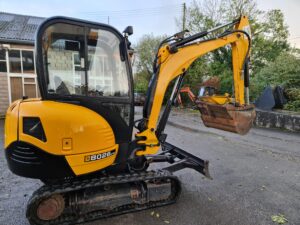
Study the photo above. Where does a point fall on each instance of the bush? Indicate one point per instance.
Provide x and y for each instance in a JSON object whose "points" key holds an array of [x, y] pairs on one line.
{"points": [[293, 95], [284, 71]]}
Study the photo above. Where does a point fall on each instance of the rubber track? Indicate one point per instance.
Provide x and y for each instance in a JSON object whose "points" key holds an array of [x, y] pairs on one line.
{"points": [[77, 185]]}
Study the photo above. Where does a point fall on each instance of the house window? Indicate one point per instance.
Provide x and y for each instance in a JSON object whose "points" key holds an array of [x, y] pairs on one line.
{"points": [[21, 61], [14, 61], [3, 60], [28, 62]]}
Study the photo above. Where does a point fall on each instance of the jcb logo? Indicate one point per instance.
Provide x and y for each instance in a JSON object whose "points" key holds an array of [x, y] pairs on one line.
{"points": [[89, 158]]}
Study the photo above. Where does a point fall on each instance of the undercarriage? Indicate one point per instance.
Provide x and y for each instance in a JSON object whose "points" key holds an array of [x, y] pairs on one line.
{"points": [[78, 200]]}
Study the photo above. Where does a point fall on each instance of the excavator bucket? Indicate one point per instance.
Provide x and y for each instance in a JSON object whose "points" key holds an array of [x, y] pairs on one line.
{"points": [[227, 117]]}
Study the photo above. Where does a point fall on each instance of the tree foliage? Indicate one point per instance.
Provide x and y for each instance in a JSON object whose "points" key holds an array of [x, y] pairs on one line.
{"points": [[269, 36], [146, 49], [269, 32], [141, 82], [284, 71]]}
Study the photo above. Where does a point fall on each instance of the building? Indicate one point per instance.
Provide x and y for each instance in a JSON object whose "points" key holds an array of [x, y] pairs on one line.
{"points": [[17, 63]]}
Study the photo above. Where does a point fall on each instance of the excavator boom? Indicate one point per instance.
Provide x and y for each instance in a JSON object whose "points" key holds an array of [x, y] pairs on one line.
{"points": [[173, 61]]}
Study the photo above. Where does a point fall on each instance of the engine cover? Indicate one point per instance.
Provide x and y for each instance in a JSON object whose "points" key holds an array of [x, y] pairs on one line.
{"points": [[82, 137]]}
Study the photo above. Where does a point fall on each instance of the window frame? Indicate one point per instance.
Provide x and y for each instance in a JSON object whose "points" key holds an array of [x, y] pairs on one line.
{"points": [[21, 75], [22, 67], [21, 61], [4, 60]]}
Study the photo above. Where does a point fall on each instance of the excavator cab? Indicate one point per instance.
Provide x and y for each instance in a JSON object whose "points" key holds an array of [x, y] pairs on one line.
{"points": [[88, 64], [86, 107]]}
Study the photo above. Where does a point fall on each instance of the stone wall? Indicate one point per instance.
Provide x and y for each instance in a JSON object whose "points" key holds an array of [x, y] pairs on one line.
{"points": [[4, 101], [282, 120]]}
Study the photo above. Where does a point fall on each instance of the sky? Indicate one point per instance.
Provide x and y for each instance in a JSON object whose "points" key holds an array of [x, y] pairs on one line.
{"points": [[152, 16]]}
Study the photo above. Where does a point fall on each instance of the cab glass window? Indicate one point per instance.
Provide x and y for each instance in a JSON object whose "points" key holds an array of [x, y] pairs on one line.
{"points": [[84, 61], [64, 57], [107, 74]]}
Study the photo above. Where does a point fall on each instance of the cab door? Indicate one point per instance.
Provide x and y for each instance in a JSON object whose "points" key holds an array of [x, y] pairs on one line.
{"points": [[87, 64]]}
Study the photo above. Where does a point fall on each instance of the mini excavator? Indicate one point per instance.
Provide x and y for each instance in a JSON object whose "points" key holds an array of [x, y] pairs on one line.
{"points": [[207, 88], [77, 138]]}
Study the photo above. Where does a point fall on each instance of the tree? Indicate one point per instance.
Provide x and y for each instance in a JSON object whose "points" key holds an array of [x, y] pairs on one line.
{"points": [[146, 49], [204, 14], [269, 39], [269, 35]]}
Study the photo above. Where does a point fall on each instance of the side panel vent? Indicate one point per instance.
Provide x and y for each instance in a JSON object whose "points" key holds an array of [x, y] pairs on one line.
{"points": [[33, 127]]}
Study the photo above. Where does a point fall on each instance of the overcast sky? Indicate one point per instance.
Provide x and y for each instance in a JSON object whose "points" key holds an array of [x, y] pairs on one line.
{"points": [[153, 16]]}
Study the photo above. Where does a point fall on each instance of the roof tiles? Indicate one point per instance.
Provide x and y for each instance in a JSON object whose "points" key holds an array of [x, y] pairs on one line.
{"points": [[16, 28]]}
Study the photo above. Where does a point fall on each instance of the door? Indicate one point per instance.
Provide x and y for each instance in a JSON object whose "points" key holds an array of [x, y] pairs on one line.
{"points": [[22, 86], [16, 87], [30, 87]]}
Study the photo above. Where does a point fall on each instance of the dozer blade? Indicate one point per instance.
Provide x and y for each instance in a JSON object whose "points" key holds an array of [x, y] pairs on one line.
{"points": [[227, 117], [182, 159]]}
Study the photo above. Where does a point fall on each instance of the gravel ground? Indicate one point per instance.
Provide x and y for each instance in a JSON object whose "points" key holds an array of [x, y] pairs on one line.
{"points": [[254, 177]]}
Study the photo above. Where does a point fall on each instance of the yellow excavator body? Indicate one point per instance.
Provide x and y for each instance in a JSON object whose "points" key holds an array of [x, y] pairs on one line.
{"points": [[70, 130], [77, 138]]}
